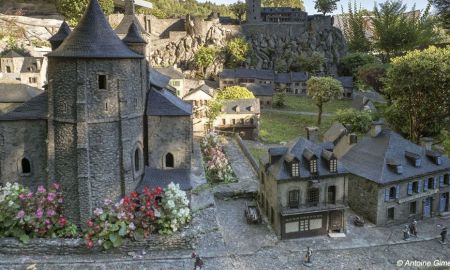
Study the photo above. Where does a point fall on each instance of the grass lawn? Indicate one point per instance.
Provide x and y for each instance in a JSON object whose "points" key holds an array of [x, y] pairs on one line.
{"points": [[276, 127], [305, 104]]}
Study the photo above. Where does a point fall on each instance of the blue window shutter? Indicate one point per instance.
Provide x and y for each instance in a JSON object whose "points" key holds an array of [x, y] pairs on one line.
{"points": [[420, 185], [397, 191], [441, 181], [435, 182], [425, 185], [386, 194], [410, 188]]}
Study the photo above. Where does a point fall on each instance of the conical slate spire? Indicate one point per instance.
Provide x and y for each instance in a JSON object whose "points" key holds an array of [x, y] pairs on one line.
{"points": [[93, 38], [58, 38], [133, 35]]}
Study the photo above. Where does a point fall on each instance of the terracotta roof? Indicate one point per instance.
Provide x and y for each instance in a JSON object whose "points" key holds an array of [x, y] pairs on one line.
{"points": [[93, 38]]}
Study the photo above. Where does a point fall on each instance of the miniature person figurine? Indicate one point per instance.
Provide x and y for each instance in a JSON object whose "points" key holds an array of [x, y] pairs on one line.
{"points": [[413, 228], [443, 235], [198, 265], [406, 233], [307, 262]]}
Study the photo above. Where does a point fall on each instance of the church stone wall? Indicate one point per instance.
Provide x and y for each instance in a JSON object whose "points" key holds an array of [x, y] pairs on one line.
{"points": [[23, 139], [170, 134]]}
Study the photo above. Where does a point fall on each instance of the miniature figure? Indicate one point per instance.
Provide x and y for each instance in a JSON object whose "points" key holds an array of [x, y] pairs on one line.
{"points": [[307, 261], [406, 233], [413, 228], [198, 265]]}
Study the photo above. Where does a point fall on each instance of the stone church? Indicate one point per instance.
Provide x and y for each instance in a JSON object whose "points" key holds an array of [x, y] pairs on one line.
{"points": [[102, 129]]}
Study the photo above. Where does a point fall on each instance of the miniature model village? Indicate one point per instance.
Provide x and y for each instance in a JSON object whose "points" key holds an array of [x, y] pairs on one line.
{"points": [[119, 149]]}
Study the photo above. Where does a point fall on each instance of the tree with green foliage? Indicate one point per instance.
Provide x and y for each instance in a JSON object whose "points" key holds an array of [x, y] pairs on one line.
{"points": [[74, 10], [177, 8], [237, 50], [396, 31], [350, 63], [213, 110], [234, 92], [284, 3], [322, 90], [354, 28], [279, 99], [373, 75], [355, 121], [204, 57], [445, 140], [418, 85], [239, 9], [311, 64], [325, 6], [443, 11]]}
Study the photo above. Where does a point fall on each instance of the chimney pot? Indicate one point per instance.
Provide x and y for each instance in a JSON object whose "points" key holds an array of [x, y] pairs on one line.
{"points": [[426, 142], [312, 134]]}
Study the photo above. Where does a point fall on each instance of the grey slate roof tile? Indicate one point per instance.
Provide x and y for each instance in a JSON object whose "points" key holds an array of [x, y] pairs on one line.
{"points": [[171, 72], [244, 105], [134, 35], [260, 89], [165, 103], [17, 93], [93, 38], [34, 109], [369, 158], [63, 32], [158, 79], [162, 178]]}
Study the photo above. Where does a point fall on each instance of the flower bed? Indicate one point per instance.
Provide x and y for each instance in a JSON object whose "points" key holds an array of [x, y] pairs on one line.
{"points": [[217, 166], [26, 215]]}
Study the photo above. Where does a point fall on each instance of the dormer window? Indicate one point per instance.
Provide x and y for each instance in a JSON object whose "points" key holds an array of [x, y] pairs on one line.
{"points": [[311, 157], [295, 169], [333, 165], [313, 166], [330, 158], [237, 109], [293, 164], [414, 158], [395, 166], [435, 157]]}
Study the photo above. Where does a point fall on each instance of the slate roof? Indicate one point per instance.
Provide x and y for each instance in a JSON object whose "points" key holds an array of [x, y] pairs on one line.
{"points": [[134, 35], [11, 54], [277, 10], [17, 93], [171, 72], [347, 81], [261, 74], [334, 133], [165, 103], [93, 38], [124, 25], [31, 62], [34, 109], [282, 78], [369, 158], [63, 32], [229, 106], [205, 88], [158, 79], [162, 178], [300, 150], [260, 89], [299, 76], [371, 95]]}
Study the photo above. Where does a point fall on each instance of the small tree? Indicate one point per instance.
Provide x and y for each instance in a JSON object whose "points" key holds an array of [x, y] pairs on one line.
{"points": [[322, 90], [284, 3], [372, 75], [204, 57], [239, 9], [235, 92], [356, 121], [311, 64], [237, 51], [213, 111], [443, 11], [74, 10], [279, 99], [354, 25], [325, 6]]}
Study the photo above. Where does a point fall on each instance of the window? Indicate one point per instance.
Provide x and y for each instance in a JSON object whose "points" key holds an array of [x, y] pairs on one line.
{"points": [[32, 80], [272, 215], [430, 183], [241, 121], [390, 213], [26, 166], [102, 84], [175, 83], [415, 187], [268, 102], [8, 69], [169, 160], [233, 121], [392, 193], [295, 169], [313, 196], [332, 194], [313, 166], [137, 160], [224, 121], [294, 198], [106, 106], [447, 179], [333, 165], [412, 208], [252, 121]]}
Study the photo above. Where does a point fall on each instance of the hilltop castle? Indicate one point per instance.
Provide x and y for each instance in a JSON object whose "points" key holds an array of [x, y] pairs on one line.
{"points": [[103, 128]]}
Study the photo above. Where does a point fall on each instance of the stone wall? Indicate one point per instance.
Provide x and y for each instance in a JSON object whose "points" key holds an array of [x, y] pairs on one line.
{"points": [[23, 139], [363, 197], [30, 7], [169, 134]]}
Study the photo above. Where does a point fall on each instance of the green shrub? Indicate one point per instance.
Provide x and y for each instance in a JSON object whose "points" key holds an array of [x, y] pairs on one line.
{"points": [[356, 121]]}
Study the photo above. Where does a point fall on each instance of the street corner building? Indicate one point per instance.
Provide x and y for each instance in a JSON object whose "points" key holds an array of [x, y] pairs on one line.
{"points": [[303, 190], [392, 180], [102, 127]]}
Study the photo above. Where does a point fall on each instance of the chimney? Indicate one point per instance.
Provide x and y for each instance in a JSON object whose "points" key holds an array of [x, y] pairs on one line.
{"points": [[377, 127], [426, 143], [129, 7], [312, 134], [352, 139]]}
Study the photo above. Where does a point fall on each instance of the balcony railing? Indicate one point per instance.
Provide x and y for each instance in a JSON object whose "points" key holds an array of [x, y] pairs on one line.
{"points": [[287, 209]]}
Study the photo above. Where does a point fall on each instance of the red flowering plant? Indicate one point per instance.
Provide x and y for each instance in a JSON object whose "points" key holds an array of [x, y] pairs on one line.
{"points": [[133, 217]]}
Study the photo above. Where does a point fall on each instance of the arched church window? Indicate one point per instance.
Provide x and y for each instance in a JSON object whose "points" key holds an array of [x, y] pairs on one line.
{"points": [[26, 166], [169, 160]]}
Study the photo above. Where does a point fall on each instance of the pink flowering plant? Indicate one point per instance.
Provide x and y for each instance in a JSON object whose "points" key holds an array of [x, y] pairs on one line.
{"points": [[218, 168], [133, 217], [25, 214]]}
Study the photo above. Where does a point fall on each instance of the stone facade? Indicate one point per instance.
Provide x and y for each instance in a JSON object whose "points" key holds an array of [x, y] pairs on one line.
{"points": [[169, 135], [199, 101], [24, 69]]}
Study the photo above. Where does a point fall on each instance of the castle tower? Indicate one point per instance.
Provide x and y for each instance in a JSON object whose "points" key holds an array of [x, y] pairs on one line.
{"points": [[253, 11], [96, 94], [134, 39], [58, 38]]}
